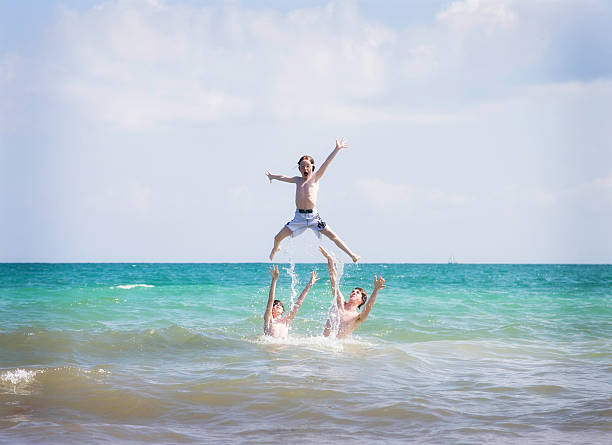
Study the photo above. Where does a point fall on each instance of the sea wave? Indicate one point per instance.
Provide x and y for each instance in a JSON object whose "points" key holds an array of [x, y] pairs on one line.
{"points": [[131, 286], [109, 343], [24, 381]]}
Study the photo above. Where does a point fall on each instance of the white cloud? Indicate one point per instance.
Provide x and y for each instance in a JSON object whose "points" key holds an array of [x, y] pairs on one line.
{"points": [[242, 198], [394, 197], [139, 65], [8, 69], [141, 108], [125, 198], [8, 64], [520, 194], [384, 195], [604, 184], [595, 194], [479, 15]]}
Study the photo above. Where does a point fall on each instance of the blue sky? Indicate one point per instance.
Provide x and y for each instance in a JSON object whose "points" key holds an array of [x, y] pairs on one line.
{"points": [[141, 130]]}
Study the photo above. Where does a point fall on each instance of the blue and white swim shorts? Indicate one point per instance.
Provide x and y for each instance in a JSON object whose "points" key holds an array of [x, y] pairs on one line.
{"points": [[306, 219]]}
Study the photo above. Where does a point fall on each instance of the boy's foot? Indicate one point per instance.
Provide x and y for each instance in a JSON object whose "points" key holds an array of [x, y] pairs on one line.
{"points": [[355, 258], [273, 252]]}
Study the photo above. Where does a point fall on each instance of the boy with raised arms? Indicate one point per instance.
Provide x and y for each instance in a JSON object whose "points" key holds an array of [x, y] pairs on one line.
{"points": [[275, 325], [348, 317], [306, 214]]}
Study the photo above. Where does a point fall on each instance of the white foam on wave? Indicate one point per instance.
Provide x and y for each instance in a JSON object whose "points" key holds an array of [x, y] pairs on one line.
{"points": [[317, 342], [93, 371], [131, 286], [20, 379], [18, 376]]}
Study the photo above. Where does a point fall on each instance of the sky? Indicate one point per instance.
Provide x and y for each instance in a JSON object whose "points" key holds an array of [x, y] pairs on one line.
{"points": [[140, 131]]}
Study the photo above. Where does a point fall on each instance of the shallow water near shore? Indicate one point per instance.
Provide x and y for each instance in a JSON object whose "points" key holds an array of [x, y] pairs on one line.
{"points": [[174, 353]]}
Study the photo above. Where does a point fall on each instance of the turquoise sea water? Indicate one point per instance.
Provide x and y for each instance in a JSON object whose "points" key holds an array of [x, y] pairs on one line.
{"points": [[174, 353]]}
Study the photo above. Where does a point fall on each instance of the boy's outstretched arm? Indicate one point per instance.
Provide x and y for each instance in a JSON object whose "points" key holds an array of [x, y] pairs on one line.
{"points": [[339, 146], [298, 303], [332, 278], [379, 283], [268, 314], [282, 178]]}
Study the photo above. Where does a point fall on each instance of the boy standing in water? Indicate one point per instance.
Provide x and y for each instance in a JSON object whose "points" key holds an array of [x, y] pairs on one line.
{"points": [[274, 323], [349, 318], [306, 214]]}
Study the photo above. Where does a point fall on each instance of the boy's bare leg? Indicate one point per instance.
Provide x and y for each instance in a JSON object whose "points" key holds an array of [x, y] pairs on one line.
{"points": [[284, 233], [336, 239]]}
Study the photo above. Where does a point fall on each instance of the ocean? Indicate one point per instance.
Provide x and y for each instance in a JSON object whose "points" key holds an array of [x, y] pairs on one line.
{"points": [[175, 353]]}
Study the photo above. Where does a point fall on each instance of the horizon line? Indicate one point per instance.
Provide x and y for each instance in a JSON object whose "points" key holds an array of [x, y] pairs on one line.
{"points": [[308, 262]]}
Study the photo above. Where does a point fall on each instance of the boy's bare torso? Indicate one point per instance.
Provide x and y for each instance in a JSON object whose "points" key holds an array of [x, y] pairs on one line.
{"points": [[348, 322], [306, 191], [277, 329]]}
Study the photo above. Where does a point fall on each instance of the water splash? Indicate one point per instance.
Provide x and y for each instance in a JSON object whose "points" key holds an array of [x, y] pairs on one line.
{"points": [[333, 315], [339, 268], [294, 280], [291, 271]]}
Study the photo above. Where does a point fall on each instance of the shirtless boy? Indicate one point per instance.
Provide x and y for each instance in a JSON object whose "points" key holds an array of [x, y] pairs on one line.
{"points": [[306, 214], [349, 318], [275, 325]]}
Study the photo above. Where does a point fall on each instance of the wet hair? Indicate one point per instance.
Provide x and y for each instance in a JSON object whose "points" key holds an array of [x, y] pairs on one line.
{"points": [[308, 158], [364, 297], [279, 303]]}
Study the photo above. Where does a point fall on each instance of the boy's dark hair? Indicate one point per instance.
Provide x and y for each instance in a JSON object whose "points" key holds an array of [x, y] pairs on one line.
{"points": [[278, 302], [364, 297], [308, 158]]}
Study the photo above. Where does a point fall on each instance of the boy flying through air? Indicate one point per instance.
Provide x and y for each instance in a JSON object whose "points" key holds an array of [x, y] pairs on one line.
{"points": [[348, 317], [306, 214], [274, 323]]}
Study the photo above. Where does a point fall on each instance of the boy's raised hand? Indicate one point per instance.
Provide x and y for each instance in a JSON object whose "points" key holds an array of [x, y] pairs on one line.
{"points": [[379, 283], [269, 175], [274, 271], [341, 144], [313, 277]]}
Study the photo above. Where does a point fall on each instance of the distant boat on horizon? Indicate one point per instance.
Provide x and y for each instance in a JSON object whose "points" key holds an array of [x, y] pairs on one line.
{"points": [[452, 260]]}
